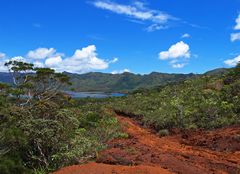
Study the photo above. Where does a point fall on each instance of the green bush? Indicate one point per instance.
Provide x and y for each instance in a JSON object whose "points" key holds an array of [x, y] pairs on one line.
{"points": [[163, 133], [205, 102]]}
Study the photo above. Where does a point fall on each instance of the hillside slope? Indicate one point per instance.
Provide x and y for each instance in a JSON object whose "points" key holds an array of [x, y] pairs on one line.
{"points": [[122, 82], [104, 82], [144, 152], [125, 82]]}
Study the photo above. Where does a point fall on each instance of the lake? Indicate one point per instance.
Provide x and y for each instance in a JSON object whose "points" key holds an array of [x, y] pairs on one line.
{"points": [[94, 94]]}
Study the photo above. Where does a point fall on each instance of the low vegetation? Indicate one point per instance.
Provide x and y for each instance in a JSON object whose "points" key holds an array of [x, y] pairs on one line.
{"points": [[205, 102], [43, 129]]}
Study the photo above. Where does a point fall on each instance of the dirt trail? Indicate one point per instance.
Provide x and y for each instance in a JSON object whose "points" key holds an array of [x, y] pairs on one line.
{"points": [[215, 152], [95, 168]]}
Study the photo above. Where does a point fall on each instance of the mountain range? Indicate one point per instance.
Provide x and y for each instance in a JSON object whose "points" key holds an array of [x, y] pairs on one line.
{"points": [[125, 82]]}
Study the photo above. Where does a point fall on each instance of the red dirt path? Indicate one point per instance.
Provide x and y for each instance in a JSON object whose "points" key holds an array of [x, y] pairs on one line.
{"points": [[95, 168], [212, 152]]}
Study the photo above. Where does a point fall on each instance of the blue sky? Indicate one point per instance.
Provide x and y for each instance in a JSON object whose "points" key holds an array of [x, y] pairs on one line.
{"points": [[114, 36]]}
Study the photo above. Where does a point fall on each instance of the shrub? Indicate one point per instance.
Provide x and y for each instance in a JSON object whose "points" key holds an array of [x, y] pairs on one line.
{"points": [[163, 133]]}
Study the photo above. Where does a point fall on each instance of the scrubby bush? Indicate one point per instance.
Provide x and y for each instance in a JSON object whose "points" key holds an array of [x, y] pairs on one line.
{"points": [[205, 102], [163, 132], [42, 129]]}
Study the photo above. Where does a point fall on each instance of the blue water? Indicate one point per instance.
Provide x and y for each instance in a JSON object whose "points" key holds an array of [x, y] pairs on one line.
{"points": [[93, 94]]}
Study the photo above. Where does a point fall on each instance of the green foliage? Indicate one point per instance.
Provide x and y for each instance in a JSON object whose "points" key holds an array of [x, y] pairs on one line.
{"points": [[42, 129], [34, 83], [122, 135], [48, 136], [163, 132], [46, 129], [124, 82], [12, 164], [204, 102]]}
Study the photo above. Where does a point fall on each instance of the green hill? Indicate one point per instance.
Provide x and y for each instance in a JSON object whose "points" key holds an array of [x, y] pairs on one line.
{"points": [[209, 101], [125, 82]]}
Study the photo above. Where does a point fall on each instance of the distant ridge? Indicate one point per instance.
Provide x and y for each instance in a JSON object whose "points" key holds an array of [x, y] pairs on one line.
{"points": [[218, 71], [125, 82]]}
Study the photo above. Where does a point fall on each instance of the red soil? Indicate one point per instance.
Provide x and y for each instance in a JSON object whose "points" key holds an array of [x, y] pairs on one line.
{"points": [[94, 168], [222, 140], [199, 152]]}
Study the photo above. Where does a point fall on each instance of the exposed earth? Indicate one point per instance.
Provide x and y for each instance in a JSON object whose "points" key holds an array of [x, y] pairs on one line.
{"points": [[183, 152]]}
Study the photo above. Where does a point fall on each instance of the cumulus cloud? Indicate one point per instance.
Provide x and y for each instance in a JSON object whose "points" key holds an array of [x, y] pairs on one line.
{"points": [[138, 11], [121, 71], [237, 26], [41, 53], [186, 35], [177, 50], [232, 62], [177, 55], [235, 37], [83, 60], [53, 61]]}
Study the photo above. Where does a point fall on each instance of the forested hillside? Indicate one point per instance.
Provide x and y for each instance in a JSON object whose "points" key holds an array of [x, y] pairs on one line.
{"points": [[125, 82], [209, 101]]}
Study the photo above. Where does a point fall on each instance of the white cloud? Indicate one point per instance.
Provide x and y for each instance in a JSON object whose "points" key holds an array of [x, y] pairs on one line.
{"points": [[18, 58], [177, 55], [2, 62], [237, 26], [53, 61], [232, 62], [115, 59], [4, 59], [177, 50], [186, 35], [124, 9], [2, 67], [2, 55], [83, 60], [137, 11], [121, 71], [178, 65], [41, 53], [155, 27], [235, 37], [38, 64]]}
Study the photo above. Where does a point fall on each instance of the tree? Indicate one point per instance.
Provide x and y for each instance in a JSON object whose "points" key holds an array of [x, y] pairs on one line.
{"points": [[37, 127], [35, 84], [47, 83], [20, 72]]}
